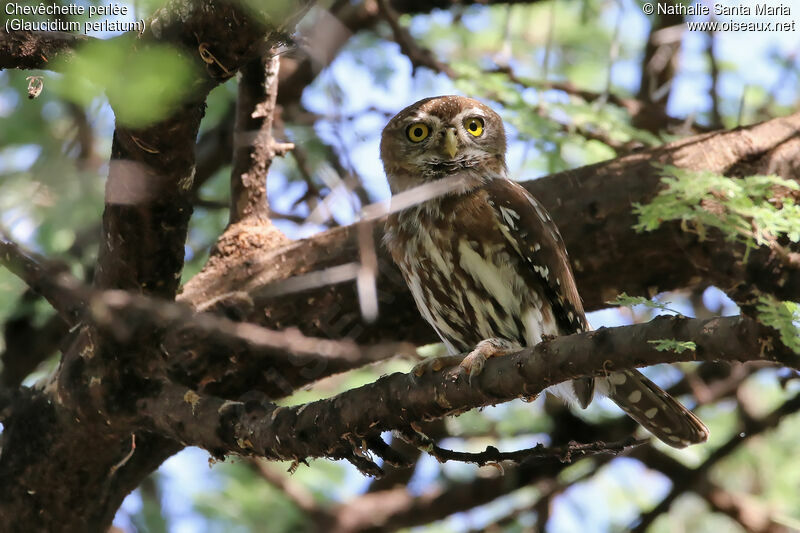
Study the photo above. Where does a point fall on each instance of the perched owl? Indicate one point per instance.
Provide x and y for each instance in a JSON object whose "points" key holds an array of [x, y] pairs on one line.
{"points": [[485, 263]]}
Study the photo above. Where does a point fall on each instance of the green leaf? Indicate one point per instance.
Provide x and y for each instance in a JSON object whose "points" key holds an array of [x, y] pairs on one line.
{"points": [[743, 209], [782, 316], [672, 345], [623, 300], [143, 84]]}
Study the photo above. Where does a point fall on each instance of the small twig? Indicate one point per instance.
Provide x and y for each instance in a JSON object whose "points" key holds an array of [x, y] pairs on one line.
{"points": [[742, 102], [419, 56], [503, 55], [303, 166], [49, 279], [548, 47], [125, 459], [716, 117], [492, 456], [613, 53]]}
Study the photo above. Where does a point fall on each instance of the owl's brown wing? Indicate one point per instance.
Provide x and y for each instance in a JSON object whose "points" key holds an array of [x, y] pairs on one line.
{"points": [[532, 233], [535, 237]]}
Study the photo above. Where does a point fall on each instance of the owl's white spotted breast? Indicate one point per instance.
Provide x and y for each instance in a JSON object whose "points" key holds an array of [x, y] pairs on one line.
{"points": [[466, 279]]}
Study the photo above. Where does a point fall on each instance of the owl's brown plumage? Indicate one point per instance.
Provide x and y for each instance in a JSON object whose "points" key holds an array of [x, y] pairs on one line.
{"points": [[485, 263]]}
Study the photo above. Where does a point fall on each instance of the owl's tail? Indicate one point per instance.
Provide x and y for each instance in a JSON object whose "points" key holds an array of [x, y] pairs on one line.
{"points": [[658, 412]]}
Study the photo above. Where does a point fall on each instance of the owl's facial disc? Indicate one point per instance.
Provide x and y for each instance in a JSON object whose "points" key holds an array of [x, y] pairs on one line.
{"points": [[440, 137]]}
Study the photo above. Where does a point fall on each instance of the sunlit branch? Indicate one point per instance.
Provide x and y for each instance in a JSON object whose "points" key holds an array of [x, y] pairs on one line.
{"points": [[338, 427]]}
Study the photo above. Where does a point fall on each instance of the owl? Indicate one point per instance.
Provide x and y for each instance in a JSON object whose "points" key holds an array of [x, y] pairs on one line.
{"points": [[484, 261]]}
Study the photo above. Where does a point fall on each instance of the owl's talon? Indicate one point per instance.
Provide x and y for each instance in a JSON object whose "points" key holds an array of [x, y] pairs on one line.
{"points": [[473, 365], [434, 364], [474, 362]]}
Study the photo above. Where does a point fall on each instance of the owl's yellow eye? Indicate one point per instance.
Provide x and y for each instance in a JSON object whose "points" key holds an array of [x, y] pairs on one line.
{"points": [[417, 132], [474, 125]]}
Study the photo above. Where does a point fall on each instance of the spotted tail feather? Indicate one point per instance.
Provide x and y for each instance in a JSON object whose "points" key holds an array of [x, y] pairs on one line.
{"points": [[654, 409]]}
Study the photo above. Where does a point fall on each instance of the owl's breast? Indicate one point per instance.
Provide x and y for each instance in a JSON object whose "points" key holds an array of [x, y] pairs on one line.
{"points": [[468, 283]]}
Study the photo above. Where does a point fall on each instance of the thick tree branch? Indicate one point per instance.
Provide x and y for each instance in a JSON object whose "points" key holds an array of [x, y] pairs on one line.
{"points": [[248, 357], [330, 428], [50, 280], [37, 50], [148, 204], [124, 316], [592, 207]]}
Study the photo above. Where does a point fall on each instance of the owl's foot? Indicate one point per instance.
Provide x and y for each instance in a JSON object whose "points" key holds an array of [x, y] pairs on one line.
{"points": [[435, 364], [473, 363]]}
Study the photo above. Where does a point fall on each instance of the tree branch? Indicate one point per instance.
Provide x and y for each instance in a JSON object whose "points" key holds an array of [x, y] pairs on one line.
{"points": [[393, 509], [418, 55], [592, 207], [35, 49], [48, 279], [334, 427], [255, 146], [493, 456]]}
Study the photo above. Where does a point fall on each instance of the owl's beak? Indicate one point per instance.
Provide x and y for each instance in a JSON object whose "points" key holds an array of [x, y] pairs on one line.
{"points": [[450, 142]]}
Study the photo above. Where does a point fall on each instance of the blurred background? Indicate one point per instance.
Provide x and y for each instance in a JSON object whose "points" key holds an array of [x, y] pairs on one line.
{"points": [[577, 82]]}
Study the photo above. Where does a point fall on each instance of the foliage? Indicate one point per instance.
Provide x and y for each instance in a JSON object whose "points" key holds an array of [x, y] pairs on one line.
{"points": [[156, 79], [672, 345], [629, 301], [783, 317], [51, 199], [743, 209]]}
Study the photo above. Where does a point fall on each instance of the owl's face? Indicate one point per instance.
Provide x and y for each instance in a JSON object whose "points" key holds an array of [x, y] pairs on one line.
{"points": [[442, 136]]}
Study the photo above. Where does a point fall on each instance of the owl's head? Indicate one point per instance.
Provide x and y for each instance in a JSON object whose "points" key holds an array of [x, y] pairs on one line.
{"points": [[442, 136]]}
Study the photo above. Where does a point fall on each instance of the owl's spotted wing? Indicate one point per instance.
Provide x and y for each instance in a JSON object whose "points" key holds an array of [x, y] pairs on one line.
{"points": [[536, 239], [530, 231]]}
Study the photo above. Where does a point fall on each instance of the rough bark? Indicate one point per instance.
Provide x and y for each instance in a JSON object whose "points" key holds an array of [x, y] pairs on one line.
{"points": [[110, 414], [65, 463], [592, 207], [337, 427]]}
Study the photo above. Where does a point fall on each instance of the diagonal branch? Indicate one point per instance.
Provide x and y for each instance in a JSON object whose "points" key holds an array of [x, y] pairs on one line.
{"points": [[50, 280], [592, 207], [254, 145], [37, 49], [335, 427], [419, 56]]}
